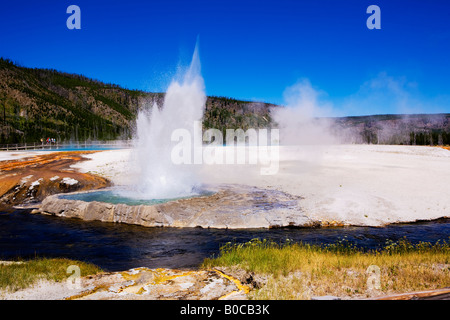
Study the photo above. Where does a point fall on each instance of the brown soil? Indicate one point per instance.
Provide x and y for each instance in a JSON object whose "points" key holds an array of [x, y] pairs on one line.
{"points": [[30, 180]]}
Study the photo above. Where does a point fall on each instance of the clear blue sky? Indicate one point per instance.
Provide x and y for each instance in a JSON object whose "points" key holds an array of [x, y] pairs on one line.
{"points": [[250, 50]]}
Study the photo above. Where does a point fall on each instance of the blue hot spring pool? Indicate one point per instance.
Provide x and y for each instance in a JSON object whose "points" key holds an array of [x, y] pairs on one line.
{"points": [[114, 196]]}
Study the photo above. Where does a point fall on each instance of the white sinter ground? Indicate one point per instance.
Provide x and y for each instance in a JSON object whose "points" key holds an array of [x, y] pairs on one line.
{"points": [[368, 185], [15, 155]]}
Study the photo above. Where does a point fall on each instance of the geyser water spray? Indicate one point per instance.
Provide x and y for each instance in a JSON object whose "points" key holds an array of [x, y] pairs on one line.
{"points": [[156, 176]]}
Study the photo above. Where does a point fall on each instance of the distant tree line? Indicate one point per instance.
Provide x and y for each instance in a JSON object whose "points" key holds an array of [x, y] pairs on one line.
{"points": [[74, 107], [417, 138]]}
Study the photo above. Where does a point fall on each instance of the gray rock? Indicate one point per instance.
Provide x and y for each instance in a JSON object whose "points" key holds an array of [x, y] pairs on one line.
{"points": [[230, 206], [325, 298]]}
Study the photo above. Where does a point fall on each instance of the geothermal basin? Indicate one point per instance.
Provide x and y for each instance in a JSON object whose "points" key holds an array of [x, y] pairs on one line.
{"points": [[221, 207], [359, 185]]}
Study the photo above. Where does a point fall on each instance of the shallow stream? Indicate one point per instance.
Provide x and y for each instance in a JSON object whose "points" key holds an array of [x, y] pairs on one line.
{"points": [[116, 247]]}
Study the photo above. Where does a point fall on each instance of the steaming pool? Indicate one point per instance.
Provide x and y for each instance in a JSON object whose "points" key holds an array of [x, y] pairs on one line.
{"points": [[119, 196], [116, 247]]}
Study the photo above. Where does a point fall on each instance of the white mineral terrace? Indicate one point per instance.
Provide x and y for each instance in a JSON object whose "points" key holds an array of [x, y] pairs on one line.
{"points": [[370, 185]]}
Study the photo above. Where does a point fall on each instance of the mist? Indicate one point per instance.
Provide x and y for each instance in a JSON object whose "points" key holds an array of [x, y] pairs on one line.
{"points": [[155, 174], [310, 117], [306, 117]]}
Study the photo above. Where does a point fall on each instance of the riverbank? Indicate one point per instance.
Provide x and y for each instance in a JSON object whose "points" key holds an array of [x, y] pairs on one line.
{"points": [[304, 271], [255, 270], [57, 279]]}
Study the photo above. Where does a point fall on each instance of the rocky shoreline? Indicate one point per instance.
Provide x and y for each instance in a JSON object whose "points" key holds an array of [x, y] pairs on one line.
{"points": [[174, 284], [228, 207], [143, 284]]}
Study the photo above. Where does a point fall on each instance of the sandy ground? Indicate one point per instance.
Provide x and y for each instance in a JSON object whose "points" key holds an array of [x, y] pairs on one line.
{"points": [[368, 185]]}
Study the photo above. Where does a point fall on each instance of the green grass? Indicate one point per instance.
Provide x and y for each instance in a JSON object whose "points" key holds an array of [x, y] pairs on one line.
{"points": [[24, 274], [299, 271]]}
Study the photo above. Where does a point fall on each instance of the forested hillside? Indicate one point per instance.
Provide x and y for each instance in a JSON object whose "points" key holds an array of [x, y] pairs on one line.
{"points": [[37, 104]]}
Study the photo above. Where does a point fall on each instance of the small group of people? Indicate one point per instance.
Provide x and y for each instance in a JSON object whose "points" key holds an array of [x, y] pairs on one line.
{"points": [[49, 140]]}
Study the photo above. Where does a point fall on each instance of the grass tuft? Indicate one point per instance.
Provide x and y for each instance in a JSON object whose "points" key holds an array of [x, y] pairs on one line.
{"points": [[23, 274], [299, 270]]}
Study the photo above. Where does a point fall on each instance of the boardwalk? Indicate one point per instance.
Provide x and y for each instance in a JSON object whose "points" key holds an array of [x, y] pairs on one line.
{"points": [[66, 146]]}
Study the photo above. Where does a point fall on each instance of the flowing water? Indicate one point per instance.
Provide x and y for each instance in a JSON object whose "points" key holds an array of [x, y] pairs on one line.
{"points": [[116, 247]]}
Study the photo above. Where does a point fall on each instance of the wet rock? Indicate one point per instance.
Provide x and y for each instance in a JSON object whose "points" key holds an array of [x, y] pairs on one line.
{"points": [[69, 184], [230, 206]]}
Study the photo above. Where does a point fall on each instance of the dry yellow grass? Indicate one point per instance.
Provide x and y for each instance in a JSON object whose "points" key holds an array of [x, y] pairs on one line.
{"points": [[16, 276], [300, 271]]}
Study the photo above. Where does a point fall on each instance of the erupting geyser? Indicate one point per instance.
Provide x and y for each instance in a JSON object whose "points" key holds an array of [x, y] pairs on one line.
{"points": [[155, 174]]}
